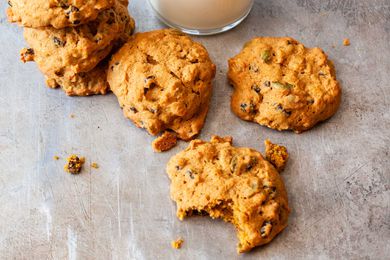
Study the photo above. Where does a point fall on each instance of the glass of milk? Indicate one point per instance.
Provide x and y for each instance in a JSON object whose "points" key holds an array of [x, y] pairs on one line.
{"points": [[202, 17]]}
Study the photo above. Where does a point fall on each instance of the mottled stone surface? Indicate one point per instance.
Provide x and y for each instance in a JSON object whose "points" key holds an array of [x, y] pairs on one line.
{"points": [[338, 178]]}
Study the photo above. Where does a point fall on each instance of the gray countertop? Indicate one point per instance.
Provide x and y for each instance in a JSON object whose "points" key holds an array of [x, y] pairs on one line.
{"points": [[337, 179]]}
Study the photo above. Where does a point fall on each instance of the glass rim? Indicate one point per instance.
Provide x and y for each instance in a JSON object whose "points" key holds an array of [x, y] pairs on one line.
{"points": [[202, 32]]}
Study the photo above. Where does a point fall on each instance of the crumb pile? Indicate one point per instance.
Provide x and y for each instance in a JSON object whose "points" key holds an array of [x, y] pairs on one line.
{"points": [[74, 164]]}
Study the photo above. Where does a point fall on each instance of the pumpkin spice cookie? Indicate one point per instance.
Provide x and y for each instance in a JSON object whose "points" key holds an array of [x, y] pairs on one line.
{"points": [[235, 184], [79, 49], [56, 13], [281, 84], [163, 81]]}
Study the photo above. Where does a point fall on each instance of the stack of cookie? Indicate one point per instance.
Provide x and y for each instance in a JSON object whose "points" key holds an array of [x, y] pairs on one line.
{"points": [[71, 42]]}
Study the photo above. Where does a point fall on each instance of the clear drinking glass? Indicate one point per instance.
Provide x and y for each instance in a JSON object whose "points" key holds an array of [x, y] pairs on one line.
{"points": [[202, 17]]}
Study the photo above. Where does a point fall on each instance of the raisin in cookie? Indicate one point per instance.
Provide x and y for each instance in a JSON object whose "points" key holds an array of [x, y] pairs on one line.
{"points": [[163, 80], [235, 184], [56, 13], [79, 49], [283, 85]]}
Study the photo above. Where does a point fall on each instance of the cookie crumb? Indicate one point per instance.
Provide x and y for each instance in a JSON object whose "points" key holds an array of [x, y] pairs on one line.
{"points": [[52, 83], [74, 164], [165, 142], [26, 54], [218, 139], [176, 244], [346, 42], [276, 154], [94, 165], [55, 157]]}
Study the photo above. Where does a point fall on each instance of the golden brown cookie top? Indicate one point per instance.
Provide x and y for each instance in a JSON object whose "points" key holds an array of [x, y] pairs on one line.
{"points": [[56, 13], [235, 184], [281, 84], [79, 49], [163, 80]]}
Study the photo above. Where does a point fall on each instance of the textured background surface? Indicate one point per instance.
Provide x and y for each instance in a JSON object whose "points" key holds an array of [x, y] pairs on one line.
{"points": [[337, 179]]}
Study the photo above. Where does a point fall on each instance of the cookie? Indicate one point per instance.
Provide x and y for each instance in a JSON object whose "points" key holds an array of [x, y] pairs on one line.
{"points": [[163, 81], [56, 13], [93, 82], [79, 49], [235, 184], [281, 84]]}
